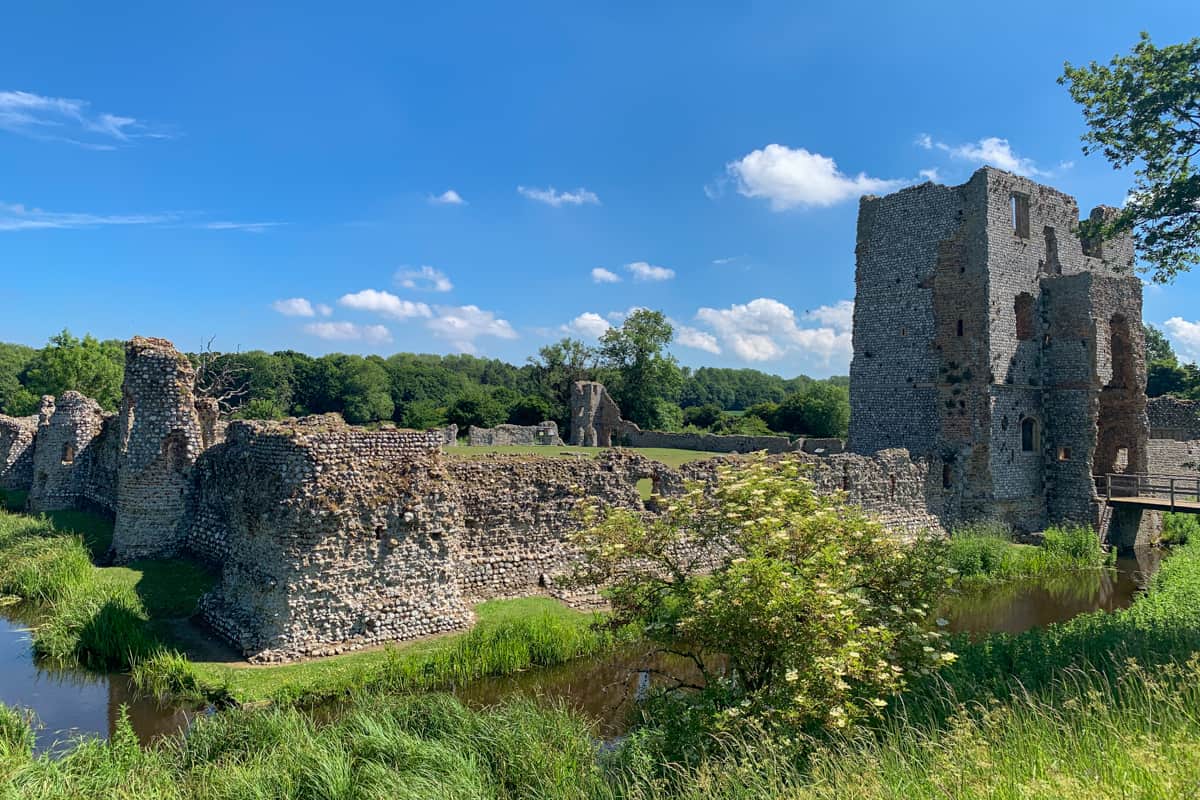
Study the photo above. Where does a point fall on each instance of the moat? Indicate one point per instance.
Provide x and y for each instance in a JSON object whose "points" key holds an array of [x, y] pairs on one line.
{"points": [[72, 702]]}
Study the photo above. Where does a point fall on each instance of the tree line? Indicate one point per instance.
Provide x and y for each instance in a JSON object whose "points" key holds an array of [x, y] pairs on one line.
{"points": [[425, 391]]}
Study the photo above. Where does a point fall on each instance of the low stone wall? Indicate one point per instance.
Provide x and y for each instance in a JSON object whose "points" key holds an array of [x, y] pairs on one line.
{"points": [[633, 436], [544, 433], [449, 435], [16, 451], [1174, 446]]}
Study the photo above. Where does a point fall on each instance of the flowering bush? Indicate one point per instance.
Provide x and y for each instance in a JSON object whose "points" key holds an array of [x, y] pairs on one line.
{"points": [[789, 607]]}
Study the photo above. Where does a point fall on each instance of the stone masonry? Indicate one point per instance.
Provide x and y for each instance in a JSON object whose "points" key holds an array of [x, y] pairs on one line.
{"points": [[544, 433], [16, 451], [160, 438], [989, 336], [64, 452], [595, 417]]}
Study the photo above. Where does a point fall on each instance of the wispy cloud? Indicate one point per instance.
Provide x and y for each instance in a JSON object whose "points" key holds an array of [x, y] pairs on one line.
{"points": [[349, 332], [61, 119], [248, 227], [448, 198], [602, 275], [993, 151], [648, 272], [17, 217], [796, 178], [552, 197], [720, 262], [384, 303], [426, 278]]}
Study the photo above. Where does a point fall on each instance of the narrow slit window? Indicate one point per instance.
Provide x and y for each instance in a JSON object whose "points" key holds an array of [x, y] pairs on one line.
{"points": [[1064, 454], [1029, 435], [1020, 214], [960, 328], [68, 453]]}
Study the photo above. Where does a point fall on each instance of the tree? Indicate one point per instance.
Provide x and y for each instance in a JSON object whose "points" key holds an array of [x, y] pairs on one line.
{"points": [[553, 371], [422, 415], [529, 410], [1144, 108], [643, 373], [822, 409], [705, 416], [476, 407], [15, 399], [365, 390], [88, 365], [1158, 347], [819, 613]]}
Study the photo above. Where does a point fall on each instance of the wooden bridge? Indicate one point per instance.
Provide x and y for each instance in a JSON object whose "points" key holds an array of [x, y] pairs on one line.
{"points": [[1157, 492]]}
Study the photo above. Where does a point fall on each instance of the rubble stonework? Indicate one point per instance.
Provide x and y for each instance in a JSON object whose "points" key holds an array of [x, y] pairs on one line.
{"points": [[544, 433], [16, 451], [1174, 436], [987, 334], [595, 417], [64, 454], [160, 438]]}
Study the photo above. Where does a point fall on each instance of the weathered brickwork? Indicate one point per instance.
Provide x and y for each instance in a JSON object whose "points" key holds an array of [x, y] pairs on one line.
{"points": [[1174, 436], [16, 451], [987, 335], [544, 433], [64, 453], [160, 438]]}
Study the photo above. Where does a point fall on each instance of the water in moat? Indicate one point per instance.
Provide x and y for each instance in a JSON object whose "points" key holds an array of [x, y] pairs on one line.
{"points": [[72, 703]]}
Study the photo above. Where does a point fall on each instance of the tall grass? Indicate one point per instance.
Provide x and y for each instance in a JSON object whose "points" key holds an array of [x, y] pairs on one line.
{"points": [[1180, 528], [986, 551]]}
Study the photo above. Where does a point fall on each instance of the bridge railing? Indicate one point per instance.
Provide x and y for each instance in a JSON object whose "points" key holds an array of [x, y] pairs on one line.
{"points": [[1175, 488]]}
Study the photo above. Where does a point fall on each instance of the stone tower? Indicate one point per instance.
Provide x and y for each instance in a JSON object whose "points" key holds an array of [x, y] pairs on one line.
{"points": [[160, 439], [595, 417], [989, 335], [64, 454]]}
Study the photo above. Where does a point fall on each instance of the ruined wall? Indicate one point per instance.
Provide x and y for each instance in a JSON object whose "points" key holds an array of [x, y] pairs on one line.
{"points": [[16, 451], [330, 537], [449, 435], [544, 433], [1174, 447], [595, 417], [160, 438], [632, 436], [64, 454]]}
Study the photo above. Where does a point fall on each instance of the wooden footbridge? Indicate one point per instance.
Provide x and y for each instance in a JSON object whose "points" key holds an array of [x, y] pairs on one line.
{"points": [[1156, 492]]}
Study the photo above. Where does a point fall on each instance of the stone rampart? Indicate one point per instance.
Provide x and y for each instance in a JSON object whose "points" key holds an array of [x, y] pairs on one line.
{"points": [[633, 436], [16, 451], [544, 433]]}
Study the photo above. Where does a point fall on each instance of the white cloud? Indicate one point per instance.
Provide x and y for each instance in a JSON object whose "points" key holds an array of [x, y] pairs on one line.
{"points": [[61, 119], [994, 151], [552, 197], [924, 141], [797, 178], [448, 198], [349, 332], [1185, 337], [765, 329], [648, 272], [324, 310], [295, 307], [384, 303], [618, 317], [602, 275], [426, 278], [589, 324], [930, 174], [249, 227], [17, 217], [839, 316], [720, 262], [697, 339], [462, 325]]}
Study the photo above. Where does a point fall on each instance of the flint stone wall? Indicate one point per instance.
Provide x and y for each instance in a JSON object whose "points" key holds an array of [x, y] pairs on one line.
{"points": [[16, 451], [161, 436], [1174, 436], [633, 436], [544, 433], [64, 453]]}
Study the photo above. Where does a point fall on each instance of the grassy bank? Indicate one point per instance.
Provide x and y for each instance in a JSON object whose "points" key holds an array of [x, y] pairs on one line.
{"points": [[986, 552], [127, 618]]}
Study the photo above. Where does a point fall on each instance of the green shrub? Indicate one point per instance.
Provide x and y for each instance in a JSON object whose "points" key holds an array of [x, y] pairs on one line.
{"points": [[1180, 528]]}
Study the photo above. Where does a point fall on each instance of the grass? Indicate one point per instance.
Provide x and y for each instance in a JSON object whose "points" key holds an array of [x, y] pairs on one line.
{"points": [[986, 552], [510, 636], [1180, 528]]}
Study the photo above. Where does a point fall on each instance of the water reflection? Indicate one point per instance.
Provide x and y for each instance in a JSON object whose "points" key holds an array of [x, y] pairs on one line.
{"points": [[1028, 603], [70, 703]]}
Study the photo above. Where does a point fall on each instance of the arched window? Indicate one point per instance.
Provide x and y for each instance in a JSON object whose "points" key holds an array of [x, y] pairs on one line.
{"points": [[1029, 435]]}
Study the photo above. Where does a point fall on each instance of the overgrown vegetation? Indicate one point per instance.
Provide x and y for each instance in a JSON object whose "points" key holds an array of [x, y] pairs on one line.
{"points": [[1180, 528], [986, 551]]}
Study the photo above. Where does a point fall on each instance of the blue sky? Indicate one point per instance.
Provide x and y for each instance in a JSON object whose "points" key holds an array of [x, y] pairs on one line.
{"points": [[453, 177]]}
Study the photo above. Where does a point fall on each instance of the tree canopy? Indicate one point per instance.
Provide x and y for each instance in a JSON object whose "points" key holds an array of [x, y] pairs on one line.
{"points": [[1144, 109]]}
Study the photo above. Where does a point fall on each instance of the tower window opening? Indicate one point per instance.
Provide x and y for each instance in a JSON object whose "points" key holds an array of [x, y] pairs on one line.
{"points": [[1020, 214], [1029, 435], [960, 328]]}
